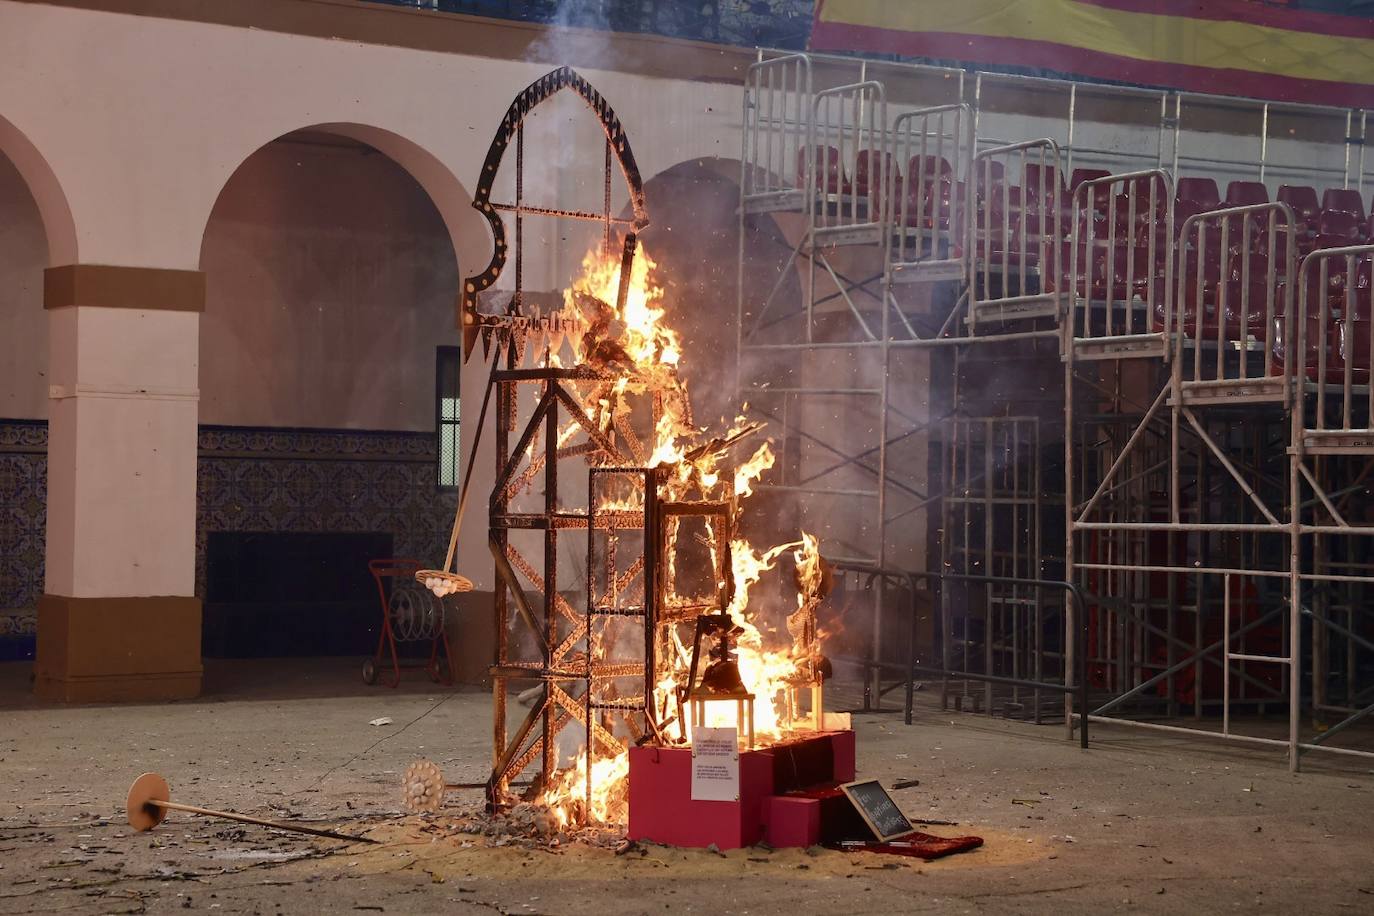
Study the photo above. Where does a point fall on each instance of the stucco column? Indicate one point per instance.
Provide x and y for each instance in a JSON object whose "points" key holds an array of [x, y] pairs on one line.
{"points": [[119, 619]]}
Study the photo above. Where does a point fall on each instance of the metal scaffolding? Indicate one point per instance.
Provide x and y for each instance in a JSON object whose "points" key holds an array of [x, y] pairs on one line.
{"points": [[1169, 409]]}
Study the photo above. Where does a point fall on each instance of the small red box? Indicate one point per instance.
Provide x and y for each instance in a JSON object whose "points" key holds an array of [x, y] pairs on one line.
{"points": [[792, 821]]}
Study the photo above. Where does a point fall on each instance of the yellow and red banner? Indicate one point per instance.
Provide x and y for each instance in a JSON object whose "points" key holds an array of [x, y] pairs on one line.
{"points": [[1229, 47]]}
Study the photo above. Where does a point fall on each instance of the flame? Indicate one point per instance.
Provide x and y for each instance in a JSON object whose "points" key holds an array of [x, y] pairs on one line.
{"points": [[809, 573], [633, 343], [648, 341], [610, 785], [746, 474]]}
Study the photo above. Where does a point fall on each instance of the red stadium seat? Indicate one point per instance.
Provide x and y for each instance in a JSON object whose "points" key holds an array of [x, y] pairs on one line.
{"points": [[1312, 347], [1336, 228], [1345, 341], [1144, 187], [1353, 348], [1046, 219], [1348, 291], [1202, 191], [1089, 264], [1246, 193], [929, 166], [1303, 200], [1259, 265], [830, 175], [875, 165], [1133, 273], [1187, 320], [1247, 315], [1048, 176], [988, 176], [1345, 200], [1182, 210], [1208, 232], [999, 214], [927, 206], [1081, 175]]}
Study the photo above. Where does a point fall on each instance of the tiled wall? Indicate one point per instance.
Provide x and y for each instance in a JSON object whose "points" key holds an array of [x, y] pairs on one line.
{"points": [[300, 480], [23, 518], [321, 480]]}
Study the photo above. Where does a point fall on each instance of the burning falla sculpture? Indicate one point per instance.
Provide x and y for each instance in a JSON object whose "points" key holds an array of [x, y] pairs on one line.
{"points": [[590, 387]]}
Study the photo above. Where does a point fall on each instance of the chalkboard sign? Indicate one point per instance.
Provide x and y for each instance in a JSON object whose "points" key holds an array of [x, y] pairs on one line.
{"points": [[877, 809]]}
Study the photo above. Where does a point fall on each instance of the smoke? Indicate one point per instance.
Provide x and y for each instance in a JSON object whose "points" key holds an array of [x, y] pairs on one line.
{"points": [[563, 149], [577, 35]]}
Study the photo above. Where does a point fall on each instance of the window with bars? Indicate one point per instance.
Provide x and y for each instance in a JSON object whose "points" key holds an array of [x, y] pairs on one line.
{"points": [[448, 362]]}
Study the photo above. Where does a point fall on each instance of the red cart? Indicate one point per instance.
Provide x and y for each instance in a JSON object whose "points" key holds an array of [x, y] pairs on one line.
{"points": [[410, 613]]}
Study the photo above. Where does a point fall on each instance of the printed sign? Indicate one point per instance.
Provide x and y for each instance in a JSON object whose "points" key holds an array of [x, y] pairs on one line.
{"points": [[715, 764], [878, 809]]}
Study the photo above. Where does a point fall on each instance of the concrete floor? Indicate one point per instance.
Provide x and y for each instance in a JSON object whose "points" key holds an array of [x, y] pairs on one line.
{"points": [[1139, 823]]}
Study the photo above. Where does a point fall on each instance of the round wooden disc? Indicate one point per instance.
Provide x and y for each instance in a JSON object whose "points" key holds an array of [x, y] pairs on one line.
{"points": [[422, 787], [146, 788]]}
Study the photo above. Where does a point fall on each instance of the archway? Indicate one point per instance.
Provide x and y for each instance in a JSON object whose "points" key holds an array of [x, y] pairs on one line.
{"points": [[331, 285], [694, 238], [36, 230]]}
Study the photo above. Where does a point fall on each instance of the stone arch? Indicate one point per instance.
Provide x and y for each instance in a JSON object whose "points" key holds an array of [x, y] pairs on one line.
{"points": [[331, 258], [56, 213], [37, 232], [449, 196], [354, 234]]}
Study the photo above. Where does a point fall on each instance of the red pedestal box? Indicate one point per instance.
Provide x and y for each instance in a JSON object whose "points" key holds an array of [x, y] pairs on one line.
{"points": [[843, 744], [662, 810], [790, 821]]}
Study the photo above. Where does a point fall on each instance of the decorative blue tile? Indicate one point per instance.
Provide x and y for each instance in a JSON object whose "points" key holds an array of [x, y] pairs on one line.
{"points": [[248, 479]]}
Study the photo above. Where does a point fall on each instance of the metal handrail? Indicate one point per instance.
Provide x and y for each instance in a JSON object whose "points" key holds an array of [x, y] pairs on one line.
{"points": [[1076, 683], [1280, 221], [1081, 276], [1297, 360]]}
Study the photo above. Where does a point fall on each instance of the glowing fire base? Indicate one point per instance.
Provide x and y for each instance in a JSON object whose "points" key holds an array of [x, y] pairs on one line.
{"points": [[783, 792]]}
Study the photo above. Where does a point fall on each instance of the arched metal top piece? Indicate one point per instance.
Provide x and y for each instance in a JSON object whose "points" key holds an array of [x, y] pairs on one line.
{"points": [[539, 91]]}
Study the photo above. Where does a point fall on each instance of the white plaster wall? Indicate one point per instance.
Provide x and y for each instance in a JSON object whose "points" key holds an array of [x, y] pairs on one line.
{"points": [[330, 281], [143, 120]]}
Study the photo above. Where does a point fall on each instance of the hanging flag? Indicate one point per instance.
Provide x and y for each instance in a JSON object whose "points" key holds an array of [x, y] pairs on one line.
{"points": [[1228, 47]]}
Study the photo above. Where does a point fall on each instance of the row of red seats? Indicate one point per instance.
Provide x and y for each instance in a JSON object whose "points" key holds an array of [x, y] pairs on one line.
{"points": [[1302, 198], [1337, 219], [1242, 316], [1347, 338], [1347, 342], [1202, 192]]}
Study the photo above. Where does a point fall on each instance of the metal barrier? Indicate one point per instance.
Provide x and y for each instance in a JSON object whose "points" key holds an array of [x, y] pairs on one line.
{"points": [[1075, 682], [1334, 336], [991, 518], [777, 161], [849, 201], [934, 146], [1014, 232], [1121, 264], [1234, 299]]}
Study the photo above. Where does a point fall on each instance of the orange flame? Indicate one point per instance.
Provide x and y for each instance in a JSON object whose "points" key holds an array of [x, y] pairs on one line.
{"points": [[635, 341]]}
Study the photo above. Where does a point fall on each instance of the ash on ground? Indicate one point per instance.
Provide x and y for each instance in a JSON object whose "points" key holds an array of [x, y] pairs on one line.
{"points": [[526, 825]]}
